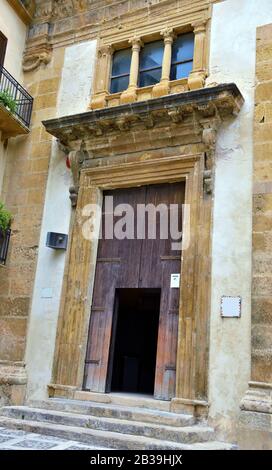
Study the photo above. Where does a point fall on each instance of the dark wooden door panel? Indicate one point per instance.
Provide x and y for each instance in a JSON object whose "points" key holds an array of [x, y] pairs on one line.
{"points": [[118, 265], [158, 262], [136, 263]]}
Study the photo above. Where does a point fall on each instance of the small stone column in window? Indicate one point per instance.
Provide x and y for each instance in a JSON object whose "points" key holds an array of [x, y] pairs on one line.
{"points": [[162, 88], [102, 77], [130, 95], [197, 76]]}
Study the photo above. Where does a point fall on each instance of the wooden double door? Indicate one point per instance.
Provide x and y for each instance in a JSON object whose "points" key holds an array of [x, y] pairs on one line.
{"points": [[144, 265]]}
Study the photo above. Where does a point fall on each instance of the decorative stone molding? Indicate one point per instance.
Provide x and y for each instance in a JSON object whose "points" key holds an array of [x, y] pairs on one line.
{"points": [[209, 140], [157, 141], [32, 62], [192, 116], [24, 9], [76, 159], [12, 375], [258, 398]]}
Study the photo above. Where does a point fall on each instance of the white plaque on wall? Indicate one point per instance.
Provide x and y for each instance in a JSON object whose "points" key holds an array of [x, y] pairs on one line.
{"points": [[175, 281], [230, 306]]}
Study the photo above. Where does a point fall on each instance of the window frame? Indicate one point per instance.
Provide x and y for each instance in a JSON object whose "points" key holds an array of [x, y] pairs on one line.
{"points": [[113, 77], [181, 62], [3, 48], [149, 69]]}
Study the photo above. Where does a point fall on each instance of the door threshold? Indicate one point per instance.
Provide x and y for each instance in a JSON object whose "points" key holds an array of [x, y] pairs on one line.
{"points": [[124, 399]]}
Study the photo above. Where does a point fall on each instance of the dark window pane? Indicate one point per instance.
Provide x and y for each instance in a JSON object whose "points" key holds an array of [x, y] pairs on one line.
{"points": [[151, 55], [181, 70], [150, 77], [121, 62], [119, 84], [183, 48]]}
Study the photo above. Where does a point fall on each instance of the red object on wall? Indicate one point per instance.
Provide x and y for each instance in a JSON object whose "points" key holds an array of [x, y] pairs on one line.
{"points": [[68, 164]]}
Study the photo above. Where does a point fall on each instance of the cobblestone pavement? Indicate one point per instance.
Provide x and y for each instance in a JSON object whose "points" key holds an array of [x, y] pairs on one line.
{"points": [[21, 440]]}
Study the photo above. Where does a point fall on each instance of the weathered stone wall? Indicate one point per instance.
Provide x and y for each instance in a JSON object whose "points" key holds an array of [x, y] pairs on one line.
{"points": [[23, 191], [57, 24], [73, 97], [256, 407], [262, 212]]}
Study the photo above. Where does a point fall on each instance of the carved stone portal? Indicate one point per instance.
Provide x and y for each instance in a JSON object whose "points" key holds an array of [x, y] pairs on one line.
{"points": [[166, 122]]}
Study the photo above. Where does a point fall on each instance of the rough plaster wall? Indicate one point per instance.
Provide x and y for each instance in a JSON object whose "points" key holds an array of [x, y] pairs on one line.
{"points": [[232, 59], [15, 30], [56, 218], [77, 76]]}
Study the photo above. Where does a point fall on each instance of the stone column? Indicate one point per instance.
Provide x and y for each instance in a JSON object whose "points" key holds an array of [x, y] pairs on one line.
{"points": [[256, 406], [130, 95], [102, 77], [162, 88], [197, 77]]}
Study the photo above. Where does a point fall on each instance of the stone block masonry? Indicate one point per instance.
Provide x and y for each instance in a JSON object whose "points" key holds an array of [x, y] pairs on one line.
{"points": [[256, 416], [24, 193], [262, 211]]}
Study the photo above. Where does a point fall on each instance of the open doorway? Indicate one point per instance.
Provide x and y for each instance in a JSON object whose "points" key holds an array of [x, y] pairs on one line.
{"points": [[133, 351]]}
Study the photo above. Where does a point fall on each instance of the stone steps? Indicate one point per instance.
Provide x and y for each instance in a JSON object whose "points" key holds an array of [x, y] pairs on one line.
{"points": [[182, 434], [112, 440], [111, 426], [131, 413]]}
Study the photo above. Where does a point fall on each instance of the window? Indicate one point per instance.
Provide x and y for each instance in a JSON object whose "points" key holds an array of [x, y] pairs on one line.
{"points": [[182, 56], [3, 46], [151, 63], [120, 70]]}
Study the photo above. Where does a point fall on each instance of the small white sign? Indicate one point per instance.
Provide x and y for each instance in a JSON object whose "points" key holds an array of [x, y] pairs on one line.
{"points": [[230, 307], [175, 281]]}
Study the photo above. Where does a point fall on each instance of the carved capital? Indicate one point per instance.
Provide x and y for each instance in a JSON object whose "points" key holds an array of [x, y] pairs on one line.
{"points": [[168, 34], [136, 43], [200, 26], [106, 50]]}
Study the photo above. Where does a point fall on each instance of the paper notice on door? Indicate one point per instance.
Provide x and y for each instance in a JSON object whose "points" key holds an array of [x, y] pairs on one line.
{"points": [[175, 281]]}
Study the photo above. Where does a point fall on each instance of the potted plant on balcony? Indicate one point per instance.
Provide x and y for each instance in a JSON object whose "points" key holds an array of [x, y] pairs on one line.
{"points": [[5, 219], [8, 101]]}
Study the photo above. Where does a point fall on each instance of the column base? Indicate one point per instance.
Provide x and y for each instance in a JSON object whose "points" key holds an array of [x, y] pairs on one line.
{"points": [[258, 398], [196, 80], [255, 421], [61, 391], [161, 89], [13, 382], [197, 408], [98, 101], [128, 96]]}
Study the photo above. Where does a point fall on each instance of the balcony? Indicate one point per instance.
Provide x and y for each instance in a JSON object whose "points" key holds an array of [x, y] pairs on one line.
{"points": [[15, 106]]}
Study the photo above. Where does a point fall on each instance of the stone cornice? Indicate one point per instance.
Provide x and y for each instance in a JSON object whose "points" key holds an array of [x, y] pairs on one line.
{"points": [[169, 121], [64, 22], [202, 105], [24, 12]]}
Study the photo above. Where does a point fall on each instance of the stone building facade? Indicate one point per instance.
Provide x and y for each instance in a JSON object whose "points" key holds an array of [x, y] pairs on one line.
{"points": [[210, 128]]}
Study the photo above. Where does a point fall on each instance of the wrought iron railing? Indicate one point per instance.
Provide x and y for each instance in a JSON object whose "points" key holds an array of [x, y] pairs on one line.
{"points": [[4, 244], [22, 100]]}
